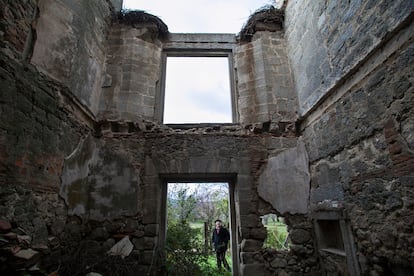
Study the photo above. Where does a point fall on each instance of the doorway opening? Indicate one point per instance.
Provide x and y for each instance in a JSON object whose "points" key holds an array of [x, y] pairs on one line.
{"points": [[191, 211]]}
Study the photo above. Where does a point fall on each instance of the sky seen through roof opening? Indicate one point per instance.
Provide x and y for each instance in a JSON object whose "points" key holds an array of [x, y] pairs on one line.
{"points": [[198, 90]]}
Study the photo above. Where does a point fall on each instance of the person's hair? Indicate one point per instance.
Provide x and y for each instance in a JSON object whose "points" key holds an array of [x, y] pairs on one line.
{"points": [[217, 220]]}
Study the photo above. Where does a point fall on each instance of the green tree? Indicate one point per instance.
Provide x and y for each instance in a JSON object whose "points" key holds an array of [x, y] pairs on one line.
{"points": [[184, 250], [213, 204]]}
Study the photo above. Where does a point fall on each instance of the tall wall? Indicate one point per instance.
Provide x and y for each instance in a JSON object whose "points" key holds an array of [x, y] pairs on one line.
{"points": [[69, 45], [133, 66], [328, 39], [353, 64], [81, 171], [265, 84], [41, 123], [325, 139]]}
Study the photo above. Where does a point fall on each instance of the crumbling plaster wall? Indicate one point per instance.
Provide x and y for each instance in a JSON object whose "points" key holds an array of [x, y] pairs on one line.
{"points": [[69, 45], [353, 64], [40, 125]]}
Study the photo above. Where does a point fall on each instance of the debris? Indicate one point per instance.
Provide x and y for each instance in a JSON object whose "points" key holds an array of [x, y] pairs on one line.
{"points": [[122, 248], [5, 226], [24, 239], [10, 236], [26, 254], [15, 249]]}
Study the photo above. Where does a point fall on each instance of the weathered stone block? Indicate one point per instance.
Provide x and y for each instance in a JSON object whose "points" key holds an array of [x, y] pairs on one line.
{"points": [[151, 230], [299, 236], [289, 176], [251, 245], [247, 257], [259, 233], [251, 269]]}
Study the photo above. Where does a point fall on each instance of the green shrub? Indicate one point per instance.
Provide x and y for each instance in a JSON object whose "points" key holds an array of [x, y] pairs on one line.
{"points": [[276, 237], [184, 251]]}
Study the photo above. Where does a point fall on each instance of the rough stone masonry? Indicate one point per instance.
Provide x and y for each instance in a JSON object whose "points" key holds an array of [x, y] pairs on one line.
{"points": [[323, 135]]}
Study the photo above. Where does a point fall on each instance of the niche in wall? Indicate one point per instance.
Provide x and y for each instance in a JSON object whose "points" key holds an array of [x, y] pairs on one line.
{"points": [[330, 236], [335, 241]]}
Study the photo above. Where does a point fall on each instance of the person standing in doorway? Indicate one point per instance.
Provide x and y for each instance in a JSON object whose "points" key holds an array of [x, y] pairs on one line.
{"points": [[220, 240]]}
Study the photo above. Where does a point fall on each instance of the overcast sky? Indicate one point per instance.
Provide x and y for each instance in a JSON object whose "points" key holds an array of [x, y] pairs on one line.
{"points": [[200, 16], [197, 90]]}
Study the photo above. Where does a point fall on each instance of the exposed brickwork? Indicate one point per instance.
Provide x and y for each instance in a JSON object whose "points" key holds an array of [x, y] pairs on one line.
{"points": [[39, 131], [361, 158], [71, 185], [401, 155], [16, 21]]}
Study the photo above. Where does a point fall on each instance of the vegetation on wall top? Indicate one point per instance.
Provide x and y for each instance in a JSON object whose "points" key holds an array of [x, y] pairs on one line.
{"points": [[135, 18], [267, 18]]}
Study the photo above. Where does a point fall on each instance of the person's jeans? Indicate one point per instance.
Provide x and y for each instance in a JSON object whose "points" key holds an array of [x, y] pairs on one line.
{"points": [[221, 259]]}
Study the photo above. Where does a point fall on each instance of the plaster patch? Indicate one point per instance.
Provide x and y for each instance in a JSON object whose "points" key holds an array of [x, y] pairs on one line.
{"points": [[285, 181]]}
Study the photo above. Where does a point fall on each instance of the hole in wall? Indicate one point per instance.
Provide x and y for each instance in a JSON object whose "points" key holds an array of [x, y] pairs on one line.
{"points": [[330, 236], [277, 232]]}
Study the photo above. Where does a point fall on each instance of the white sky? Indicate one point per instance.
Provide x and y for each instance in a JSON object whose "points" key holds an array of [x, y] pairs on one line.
{"points": [[195, 187], [200, 16], [197, 89]]}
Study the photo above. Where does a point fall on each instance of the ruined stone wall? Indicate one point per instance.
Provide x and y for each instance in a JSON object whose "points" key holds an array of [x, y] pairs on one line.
{"points": [[265, 82], [327, 39], [16, 28], [120, 179], [41, 123], [69, 45], [363, 159], [356, 59], [133, 68], [72, 187], [39, 127]]}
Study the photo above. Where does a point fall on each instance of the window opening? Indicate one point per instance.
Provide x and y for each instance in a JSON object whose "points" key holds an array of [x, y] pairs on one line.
{"points": [[197, 90], [192, 209], [277, 232]]}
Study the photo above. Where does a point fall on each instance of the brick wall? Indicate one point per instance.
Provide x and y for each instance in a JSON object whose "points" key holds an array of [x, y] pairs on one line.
{"points": [[70, 45]]}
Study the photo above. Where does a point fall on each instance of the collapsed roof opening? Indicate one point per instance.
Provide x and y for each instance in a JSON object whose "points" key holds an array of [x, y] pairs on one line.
{"points": [[213, 16]]}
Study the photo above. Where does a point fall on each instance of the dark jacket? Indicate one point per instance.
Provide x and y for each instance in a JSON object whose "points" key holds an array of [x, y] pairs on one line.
{"points": [[220, 240]]}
